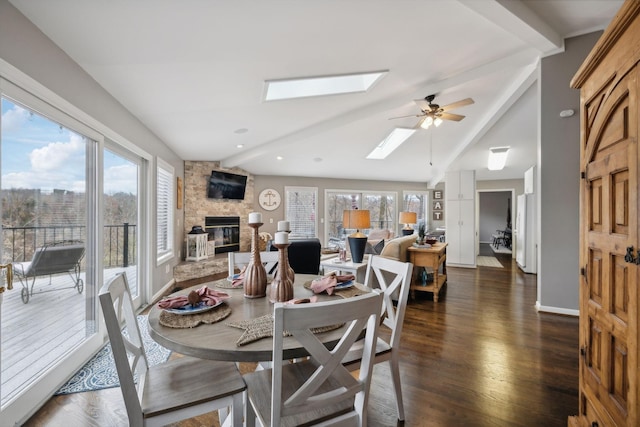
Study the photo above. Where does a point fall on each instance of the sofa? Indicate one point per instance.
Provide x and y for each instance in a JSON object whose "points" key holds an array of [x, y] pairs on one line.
{"points": [[397, 248]]}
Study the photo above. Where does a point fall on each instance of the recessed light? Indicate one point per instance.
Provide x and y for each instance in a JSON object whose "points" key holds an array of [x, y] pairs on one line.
{"points": [[317, 159], [323, 85], [240, 146], [279, 157], [241, 130]]}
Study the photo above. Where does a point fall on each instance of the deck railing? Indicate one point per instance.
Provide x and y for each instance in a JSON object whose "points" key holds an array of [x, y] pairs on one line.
{"points": [[19, 243]]}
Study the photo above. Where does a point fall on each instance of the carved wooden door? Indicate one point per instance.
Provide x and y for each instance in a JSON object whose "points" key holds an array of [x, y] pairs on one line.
{"points": [[609, 252]]}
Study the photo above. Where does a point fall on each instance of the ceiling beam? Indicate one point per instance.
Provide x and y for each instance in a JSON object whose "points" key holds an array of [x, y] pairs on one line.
{"points": [[515, 61], [515, 17], [493, 113]]}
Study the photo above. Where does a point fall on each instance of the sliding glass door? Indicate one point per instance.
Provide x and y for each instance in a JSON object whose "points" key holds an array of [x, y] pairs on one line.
{"points": [[49, 206]]}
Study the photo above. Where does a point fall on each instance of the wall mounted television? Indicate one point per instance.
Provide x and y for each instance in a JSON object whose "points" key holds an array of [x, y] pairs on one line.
{"points": [[225, 185]]}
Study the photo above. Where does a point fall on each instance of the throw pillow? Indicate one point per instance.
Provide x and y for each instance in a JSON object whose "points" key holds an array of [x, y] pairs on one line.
{"points": [[379, 247], [374, 249]]}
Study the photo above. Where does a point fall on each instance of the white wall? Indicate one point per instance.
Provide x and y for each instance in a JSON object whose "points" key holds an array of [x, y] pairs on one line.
{"points": [[24, 47]]}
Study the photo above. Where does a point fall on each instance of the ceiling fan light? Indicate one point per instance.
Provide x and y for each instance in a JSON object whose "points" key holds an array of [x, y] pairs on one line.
{"points": [[428, 121], [437, 122], [497, 158]]}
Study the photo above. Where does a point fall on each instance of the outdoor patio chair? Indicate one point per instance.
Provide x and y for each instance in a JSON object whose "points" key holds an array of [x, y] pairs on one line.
{"points": [[53, 258]]}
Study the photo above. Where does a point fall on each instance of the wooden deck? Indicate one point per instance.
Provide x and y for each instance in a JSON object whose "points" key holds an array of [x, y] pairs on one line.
{"points": [[55, 321]]}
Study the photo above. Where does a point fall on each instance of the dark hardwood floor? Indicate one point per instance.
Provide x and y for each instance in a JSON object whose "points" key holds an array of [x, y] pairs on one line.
{"points": [[481, 356]]}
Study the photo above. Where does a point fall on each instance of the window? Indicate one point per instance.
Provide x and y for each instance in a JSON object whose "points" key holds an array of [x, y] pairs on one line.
{"points": [[301, 207], [382, 208], [164, 211], [418, 202]]}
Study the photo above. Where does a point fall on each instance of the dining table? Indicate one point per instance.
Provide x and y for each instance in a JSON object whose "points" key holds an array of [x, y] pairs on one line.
{"points": [[221, 341]]}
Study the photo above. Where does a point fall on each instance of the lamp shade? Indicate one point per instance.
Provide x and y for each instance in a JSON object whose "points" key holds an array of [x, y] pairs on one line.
{"points": [[356, 218], [408, 218]]}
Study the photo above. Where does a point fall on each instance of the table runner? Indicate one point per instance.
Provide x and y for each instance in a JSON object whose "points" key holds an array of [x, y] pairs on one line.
{"points": [[354, 291], [262, 327]]}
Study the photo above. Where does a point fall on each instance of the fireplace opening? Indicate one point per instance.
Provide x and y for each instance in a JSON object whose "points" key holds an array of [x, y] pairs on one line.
{"points": [[224, 231]]}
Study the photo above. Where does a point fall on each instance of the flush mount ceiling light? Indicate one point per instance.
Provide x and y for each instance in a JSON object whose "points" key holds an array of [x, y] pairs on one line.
{"points": [[319, 86], [497, 158], [390, 143]]}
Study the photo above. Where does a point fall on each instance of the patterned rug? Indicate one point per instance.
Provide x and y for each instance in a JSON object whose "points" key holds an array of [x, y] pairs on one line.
{"points": [[100, 372], [488, 261]]}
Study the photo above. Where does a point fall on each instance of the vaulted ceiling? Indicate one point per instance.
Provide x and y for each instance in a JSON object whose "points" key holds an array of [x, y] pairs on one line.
{"points": [[193, 71]]}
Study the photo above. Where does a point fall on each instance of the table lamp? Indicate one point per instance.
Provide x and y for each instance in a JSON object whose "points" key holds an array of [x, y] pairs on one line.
{"points": [[358, 219], [407, 218]]}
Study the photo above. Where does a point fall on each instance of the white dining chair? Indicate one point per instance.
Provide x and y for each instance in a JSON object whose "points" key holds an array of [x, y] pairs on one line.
{"points": [[318, 390], [172, 391], [393, 278], [237, 260]]}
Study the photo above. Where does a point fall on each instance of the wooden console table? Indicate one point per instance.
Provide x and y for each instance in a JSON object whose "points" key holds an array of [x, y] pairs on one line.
{"points": [[432, 257]]}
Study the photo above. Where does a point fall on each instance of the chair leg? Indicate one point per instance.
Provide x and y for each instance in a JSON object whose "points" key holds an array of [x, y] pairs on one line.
{"points": [[395, 378], [250, 416], [237, 410]]}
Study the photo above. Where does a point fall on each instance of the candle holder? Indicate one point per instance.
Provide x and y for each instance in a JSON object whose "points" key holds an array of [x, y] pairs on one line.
{"points": [[255, 275], [282, 285]]}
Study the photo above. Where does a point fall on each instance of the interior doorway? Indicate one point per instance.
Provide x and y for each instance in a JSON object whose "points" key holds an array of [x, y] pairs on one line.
{"points": [[495, 212]]}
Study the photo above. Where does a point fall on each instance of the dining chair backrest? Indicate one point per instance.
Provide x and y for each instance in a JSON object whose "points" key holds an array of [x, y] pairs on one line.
{"points": [[331, 383], [393, 278], [167, 392], [118, 310], [237, 260], [317, 390]]}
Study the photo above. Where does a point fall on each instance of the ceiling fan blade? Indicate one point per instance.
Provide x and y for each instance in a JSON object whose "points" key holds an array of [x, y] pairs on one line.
{"points": [[458, 104], [451, 116], [404, 117], [422, 104]]}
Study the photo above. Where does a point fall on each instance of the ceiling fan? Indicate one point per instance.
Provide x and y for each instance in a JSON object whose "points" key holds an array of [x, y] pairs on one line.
{"points": [[434, 114]]}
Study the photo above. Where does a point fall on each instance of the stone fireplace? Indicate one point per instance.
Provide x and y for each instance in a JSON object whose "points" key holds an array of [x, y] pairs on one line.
{"points": [[224, 232], [198, 207]]}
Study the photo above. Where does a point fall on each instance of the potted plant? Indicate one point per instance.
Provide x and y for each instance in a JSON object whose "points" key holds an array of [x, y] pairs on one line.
{"points": [[421, 233]]}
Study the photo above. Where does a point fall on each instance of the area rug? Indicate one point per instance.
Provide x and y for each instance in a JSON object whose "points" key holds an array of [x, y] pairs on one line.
{"points": [[500, 250], [488, 261], [100, 372]]}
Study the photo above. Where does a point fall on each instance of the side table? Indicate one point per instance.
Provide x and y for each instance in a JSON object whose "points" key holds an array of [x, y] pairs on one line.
{"points": [[432, 257], [358, 269]]}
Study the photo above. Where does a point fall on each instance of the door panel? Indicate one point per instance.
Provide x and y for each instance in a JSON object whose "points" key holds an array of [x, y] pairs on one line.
{"points": [[610, 226]]}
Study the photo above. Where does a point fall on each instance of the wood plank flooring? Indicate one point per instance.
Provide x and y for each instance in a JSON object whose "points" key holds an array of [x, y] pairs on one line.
{"points": [[481, 356]]}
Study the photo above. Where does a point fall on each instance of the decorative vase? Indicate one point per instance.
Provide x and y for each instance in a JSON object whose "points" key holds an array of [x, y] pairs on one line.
{"points": [[282, 285], [255, 275]]}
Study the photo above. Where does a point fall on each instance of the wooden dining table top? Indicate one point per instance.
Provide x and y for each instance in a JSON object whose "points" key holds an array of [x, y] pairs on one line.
{"points": [[217, 341]]}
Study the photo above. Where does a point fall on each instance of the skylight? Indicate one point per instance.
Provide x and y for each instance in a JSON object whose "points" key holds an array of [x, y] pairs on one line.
{"points": [[318, 86], [390, 143], [497, 158]]}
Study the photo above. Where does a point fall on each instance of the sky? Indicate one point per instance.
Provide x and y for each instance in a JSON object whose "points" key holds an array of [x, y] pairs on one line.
{"points": [[39, 153]]}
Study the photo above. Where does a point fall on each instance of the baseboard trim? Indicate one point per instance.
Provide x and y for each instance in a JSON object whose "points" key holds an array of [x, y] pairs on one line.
{"points": [[557, 310]]}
